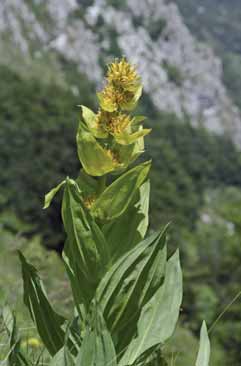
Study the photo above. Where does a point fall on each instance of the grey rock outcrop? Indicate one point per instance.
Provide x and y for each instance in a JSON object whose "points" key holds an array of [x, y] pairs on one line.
{"points": [[179, 74]]}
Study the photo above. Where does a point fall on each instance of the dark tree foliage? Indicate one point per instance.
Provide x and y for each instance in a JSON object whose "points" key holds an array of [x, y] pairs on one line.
{"points": [[37, 142]]}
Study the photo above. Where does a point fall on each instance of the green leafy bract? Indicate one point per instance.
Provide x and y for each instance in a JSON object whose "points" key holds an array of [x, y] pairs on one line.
{"points": [[116, 198], [90, 119], [124, 138], [94, 158]]}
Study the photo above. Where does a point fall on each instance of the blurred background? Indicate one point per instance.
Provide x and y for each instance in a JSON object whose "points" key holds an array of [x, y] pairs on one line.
{"points": [[52, 57]]}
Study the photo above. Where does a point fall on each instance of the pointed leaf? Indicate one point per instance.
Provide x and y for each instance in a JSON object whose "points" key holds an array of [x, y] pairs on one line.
{"points": [[204, 347], [116, 198], [86, 251], [48, 322], [130, 283], [159, 316], [49, 196]]}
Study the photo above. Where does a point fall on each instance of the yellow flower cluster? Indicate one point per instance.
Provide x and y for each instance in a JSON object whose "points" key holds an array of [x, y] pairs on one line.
{"points": [[115, 122], [123, 75], [112, 139], [123, 87]]}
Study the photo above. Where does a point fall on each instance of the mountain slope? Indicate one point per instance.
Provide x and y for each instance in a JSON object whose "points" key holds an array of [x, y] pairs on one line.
{"points": [[179, 74]]}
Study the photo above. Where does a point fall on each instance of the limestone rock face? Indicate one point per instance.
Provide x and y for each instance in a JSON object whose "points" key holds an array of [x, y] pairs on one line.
{"points": [[179, 74]]}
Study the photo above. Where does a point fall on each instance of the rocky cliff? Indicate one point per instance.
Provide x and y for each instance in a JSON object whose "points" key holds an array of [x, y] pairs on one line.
{"points": [[179, 74]]}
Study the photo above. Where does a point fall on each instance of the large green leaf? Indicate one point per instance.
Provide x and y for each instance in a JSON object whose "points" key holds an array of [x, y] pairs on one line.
{"points": [[86, 251], [97, 348], [204, 347], [116, 198], [130, 228], [94, 158], [129, 285], [159, 316], [48, 322]]}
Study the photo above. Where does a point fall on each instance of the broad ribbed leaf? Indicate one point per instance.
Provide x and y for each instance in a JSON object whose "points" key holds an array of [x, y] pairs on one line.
{"points": [[129, 285], [97, 348], [130, 228], [48, 322], [85, 251], [159, 316], [94, 158], [204, 347], [116, 198]]}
